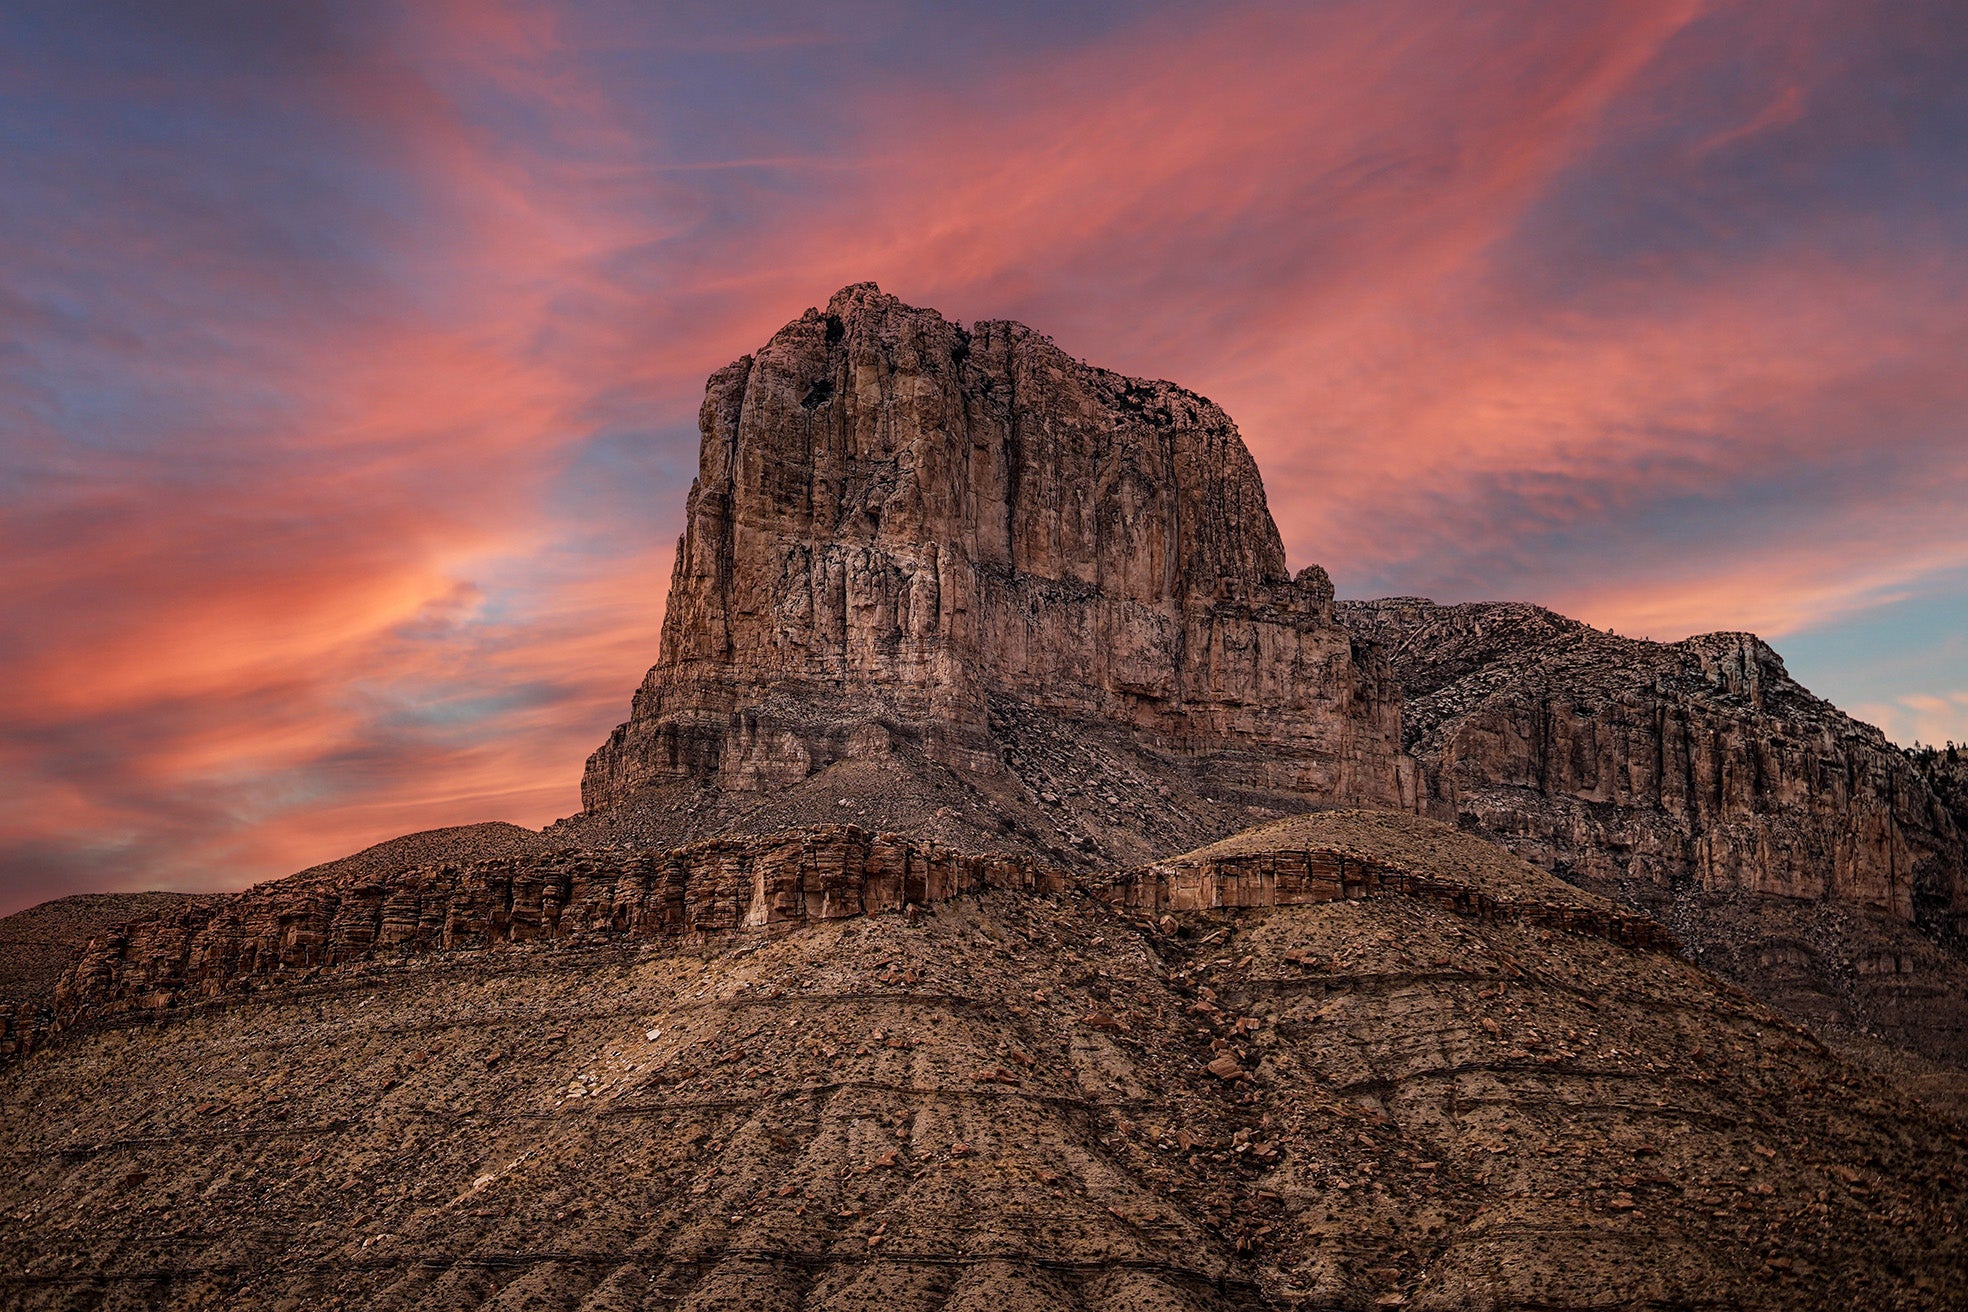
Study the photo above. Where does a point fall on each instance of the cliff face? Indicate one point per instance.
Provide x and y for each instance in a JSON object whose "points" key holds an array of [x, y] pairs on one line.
{"points": [[1782, 843], [40, 945], [1946, 772], [902, 532], [341, 920], [1702, 760]]}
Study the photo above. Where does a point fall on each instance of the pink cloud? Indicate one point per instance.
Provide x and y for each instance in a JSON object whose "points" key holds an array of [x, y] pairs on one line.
{"points": [[339, 589]]}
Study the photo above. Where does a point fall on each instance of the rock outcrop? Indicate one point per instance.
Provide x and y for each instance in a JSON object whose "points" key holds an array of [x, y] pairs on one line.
{"points": [[1783, 844], [1946, 771], [1347, 855], [751, 1031], [338, 919], [1702, 761], [904, 534], [41, 944], [346, 916]]}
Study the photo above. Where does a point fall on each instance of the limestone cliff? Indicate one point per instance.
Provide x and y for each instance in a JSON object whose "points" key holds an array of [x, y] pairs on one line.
{"points": [[905, 535], [1946, 772], [343, 920], [1702, 760], [1783, 843]]}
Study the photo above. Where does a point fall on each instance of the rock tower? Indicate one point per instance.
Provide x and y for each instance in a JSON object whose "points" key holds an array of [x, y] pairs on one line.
{"points": [[905, 535]]}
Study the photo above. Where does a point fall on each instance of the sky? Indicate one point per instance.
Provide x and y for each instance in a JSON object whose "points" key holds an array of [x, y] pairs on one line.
{"points": [[350, 353]]}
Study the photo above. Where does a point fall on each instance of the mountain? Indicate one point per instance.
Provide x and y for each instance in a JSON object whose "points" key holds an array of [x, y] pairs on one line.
{"points": [[989, 594], [1012, 889]]}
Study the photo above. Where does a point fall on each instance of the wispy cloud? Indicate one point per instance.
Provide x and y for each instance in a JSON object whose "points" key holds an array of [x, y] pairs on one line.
{"points": [[349, 355]]}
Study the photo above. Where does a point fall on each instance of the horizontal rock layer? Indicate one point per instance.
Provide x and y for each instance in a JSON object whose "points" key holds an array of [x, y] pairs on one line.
{"points": [[1306, 878], [724, 884], [769, 883]]}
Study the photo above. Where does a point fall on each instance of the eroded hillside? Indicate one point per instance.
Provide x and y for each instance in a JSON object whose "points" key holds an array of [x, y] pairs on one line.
{"points": [[1025, 1099]]}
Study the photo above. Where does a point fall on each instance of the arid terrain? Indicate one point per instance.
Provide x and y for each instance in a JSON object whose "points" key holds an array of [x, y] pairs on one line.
{"points": [[1036, 1099], [1013, 889]]}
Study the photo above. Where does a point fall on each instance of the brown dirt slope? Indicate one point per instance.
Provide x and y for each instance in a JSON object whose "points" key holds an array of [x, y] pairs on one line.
{"points": [[1080, 795], [1406, 842], [480, 842], [1009, 1101]]}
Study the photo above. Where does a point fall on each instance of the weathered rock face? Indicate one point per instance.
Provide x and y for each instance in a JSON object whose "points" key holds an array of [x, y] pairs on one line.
{"points": [[1609, 758], [1946, 772], [342, 919], [1697, 760], [338, 918], [1347, 855], [1784, 845], [41, 944], [900, 528]]}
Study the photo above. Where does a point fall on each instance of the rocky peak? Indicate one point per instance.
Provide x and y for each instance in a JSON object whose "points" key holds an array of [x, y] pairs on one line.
{"points": [[1740, 664], [901, 529], [1700, 761]]}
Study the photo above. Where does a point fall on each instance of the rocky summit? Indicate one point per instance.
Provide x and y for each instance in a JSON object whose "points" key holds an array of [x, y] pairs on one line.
{"points": [[960, 554], [1698, 762], [1012, 889]]}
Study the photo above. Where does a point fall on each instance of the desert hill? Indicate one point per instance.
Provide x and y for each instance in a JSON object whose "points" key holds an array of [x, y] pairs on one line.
{"points": [[1024, 1097], [454, 843]]}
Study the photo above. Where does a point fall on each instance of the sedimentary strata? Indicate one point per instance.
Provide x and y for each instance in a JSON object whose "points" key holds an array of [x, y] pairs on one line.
{"points": [[1785, 845], [315, 922], [1011, 1100], [41, 944], [322, 921], [1347, 855], [897, 520], [1702, 761]]}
